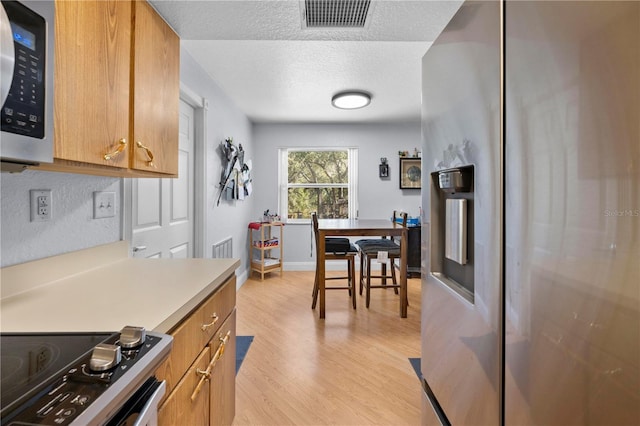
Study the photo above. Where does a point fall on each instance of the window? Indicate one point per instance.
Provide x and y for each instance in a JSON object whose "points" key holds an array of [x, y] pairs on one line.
{"points": [[323, 180]]}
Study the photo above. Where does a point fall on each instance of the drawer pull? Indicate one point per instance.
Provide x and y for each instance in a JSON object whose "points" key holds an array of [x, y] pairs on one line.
{"points": [[122, 144], [215, 320], [148, 152], [206, 374]]}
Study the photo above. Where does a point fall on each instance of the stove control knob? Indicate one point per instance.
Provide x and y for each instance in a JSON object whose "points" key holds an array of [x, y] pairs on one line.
{"points": [[104, 357], [131, 337]]}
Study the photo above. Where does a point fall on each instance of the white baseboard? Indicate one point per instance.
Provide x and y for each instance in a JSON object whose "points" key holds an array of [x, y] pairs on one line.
{"points": [[241, 278], [299, 266], [337, 265]]}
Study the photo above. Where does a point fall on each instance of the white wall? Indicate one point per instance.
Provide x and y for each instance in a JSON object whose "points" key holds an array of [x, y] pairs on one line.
{"points": [[72, 226], [223, 119], [377, 197]]}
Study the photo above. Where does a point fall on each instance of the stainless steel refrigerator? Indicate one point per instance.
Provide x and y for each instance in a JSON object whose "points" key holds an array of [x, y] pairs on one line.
{"points": [[531, 201]]}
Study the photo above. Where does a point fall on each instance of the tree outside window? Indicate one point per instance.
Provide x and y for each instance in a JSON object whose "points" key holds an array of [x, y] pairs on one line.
{"points": [[320, 180]]}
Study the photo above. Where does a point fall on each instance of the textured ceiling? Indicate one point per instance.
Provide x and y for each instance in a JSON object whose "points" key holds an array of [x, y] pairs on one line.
{"points": [[277, 71]]}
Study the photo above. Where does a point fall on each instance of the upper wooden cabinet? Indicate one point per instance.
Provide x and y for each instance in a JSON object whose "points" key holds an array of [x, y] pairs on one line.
{"points": [[116, 93], [156, 91]]}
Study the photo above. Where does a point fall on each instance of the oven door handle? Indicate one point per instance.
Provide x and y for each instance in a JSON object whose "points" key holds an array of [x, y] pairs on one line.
{"points": [[148, 415]]}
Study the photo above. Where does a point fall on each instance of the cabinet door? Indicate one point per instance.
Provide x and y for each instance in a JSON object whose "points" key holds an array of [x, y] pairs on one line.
{"points": [[223, 376], [156, 92], [92, 71], [178, 408]]}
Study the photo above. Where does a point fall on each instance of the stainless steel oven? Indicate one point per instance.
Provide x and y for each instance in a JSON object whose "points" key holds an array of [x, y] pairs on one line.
{"points": [[26, 83], [81, 378]]}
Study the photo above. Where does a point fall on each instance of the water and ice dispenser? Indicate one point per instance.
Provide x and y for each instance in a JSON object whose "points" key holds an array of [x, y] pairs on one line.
{"points": [[452, 229]]}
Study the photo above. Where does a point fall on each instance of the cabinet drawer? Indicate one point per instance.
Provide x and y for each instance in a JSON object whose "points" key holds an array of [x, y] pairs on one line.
{"points": [[194, 333], [178, 408], [217, 308]]}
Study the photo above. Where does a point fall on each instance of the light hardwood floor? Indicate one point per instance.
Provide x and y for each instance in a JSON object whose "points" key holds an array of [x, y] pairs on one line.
{"points": [[351, 368]]}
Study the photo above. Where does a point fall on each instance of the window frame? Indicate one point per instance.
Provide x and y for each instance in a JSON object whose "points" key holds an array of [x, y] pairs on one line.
{"points": [[284, 185]]}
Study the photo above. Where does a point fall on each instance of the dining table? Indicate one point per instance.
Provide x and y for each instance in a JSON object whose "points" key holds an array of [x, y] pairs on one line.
{"points": [[363, 228]]}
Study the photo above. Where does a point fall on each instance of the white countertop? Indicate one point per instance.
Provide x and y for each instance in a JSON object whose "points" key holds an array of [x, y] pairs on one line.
{"points": [[110, 292]]}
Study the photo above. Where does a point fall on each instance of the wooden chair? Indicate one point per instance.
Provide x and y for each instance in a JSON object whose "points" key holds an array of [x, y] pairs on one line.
{"points": [[335, 249], [368, 250]]}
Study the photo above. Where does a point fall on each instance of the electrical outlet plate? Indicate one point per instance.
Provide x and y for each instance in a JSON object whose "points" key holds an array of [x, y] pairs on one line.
{"points": [[40, 205], [104, 204]]}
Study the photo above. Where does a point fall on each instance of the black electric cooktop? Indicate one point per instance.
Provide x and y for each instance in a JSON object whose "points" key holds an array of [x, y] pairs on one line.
{"points": [[30, 362], [75, 378]]}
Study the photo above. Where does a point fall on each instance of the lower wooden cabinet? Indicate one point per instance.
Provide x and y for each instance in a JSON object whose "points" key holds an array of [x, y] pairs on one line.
{"points": [[223, 376], [179, 408], [200, 371]]}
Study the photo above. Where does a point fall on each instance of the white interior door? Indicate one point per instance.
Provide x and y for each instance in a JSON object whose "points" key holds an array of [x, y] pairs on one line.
{"points": [[162, 209]]}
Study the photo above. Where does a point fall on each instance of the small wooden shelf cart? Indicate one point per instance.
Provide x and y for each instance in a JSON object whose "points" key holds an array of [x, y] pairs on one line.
{"points": [[265, 247]]}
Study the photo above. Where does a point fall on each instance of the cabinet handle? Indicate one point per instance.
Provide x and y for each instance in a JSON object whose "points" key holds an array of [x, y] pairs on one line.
{"points": [[204, 377], [206, 374], [148, 152], [122, 144], [215, 320], [223, 342]]}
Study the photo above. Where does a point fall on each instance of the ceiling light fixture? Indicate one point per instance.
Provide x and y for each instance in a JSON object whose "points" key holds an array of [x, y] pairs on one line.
{"points": [[351, 100]]}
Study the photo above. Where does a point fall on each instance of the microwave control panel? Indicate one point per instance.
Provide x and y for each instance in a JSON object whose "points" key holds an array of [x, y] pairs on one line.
{"points": [[23, 110]]}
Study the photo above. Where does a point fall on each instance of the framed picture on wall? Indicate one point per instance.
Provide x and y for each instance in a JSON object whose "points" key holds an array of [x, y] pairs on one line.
{"points": [[410, 173], [383, 168]]}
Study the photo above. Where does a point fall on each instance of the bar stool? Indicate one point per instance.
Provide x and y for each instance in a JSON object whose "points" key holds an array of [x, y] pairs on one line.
{"points": [[335, 249], [368, 250]]}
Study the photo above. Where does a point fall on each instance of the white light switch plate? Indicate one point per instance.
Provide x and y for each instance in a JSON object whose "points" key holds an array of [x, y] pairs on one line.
{"points": [[104, 204]]}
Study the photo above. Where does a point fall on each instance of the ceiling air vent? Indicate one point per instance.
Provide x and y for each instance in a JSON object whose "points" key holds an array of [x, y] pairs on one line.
{"points": [[335, 13]]}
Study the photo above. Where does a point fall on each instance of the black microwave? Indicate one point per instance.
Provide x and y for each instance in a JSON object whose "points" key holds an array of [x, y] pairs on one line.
{"points": [[26, 82]]}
